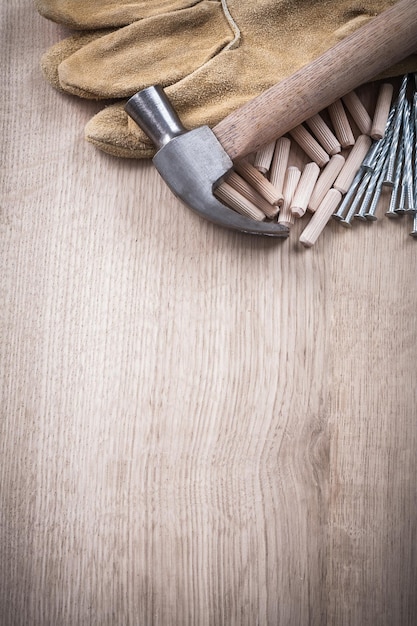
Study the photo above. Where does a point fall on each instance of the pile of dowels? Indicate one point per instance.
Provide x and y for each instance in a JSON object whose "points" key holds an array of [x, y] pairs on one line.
{"points": [[350, 157]]}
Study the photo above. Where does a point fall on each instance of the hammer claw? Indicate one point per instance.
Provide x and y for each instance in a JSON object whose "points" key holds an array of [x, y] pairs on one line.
{"points": [[192, 162]]}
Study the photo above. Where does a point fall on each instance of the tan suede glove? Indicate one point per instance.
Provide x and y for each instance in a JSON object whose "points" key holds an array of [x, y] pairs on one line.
{"points": [[212, 56]]}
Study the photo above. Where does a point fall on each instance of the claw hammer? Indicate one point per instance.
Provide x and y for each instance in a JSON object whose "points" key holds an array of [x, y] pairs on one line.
{"points": [[193, 162]]}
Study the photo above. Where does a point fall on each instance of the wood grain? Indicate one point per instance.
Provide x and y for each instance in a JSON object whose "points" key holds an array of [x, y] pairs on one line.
{"points": [[198, 427]]}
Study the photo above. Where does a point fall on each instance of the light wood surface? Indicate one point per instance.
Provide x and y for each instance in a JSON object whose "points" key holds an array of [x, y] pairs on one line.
{"points": [[198, 427]]}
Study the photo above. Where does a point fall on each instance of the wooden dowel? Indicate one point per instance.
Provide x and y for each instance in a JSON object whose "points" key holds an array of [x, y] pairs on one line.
{"points": [[280, 162], [292, 176], [263, 157], [311, 147], [323, 134], [247, 191], [320, 218], [304, 189], [259, 182], [239, 203], [341, 124], [325, 181], [358, 112], [352, 164], [382, 109]]}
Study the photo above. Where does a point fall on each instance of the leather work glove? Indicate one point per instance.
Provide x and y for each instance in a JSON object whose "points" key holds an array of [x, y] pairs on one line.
{"points": [[211, 56]]}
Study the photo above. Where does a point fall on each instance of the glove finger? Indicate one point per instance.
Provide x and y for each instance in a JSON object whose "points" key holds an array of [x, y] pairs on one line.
{"points": [[53, 57], [159, 50], [105, 13], [109, 131]]}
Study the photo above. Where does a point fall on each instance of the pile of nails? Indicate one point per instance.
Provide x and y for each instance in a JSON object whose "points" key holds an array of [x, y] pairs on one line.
{"points": [[346, 173], [392, 163]]}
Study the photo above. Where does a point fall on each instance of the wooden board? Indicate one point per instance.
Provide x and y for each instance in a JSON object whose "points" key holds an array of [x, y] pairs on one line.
{"points": [[198, 427]]}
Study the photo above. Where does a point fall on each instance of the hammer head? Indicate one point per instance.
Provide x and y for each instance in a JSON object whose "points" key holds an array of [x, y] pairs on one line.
{"points": [[191, 162]]}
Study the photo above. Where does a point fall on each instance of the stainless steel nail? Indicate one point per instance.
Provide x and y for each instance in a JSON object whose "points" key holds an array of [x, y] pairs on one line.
{"points": [[367, 211], [377, 176], [367, 198], [397, 122], [402, 202], [407, 146], [391, 212], [370, 213], [392, 209], [339, 215], [368, 164], [371, 159], [413, 127], [414, 123], [360, 190]]}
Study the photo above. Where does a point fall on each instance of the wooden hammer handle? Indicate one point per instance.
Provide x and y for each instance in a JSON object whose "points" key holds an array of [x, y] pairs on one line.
{"points": [[360, 57]]}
